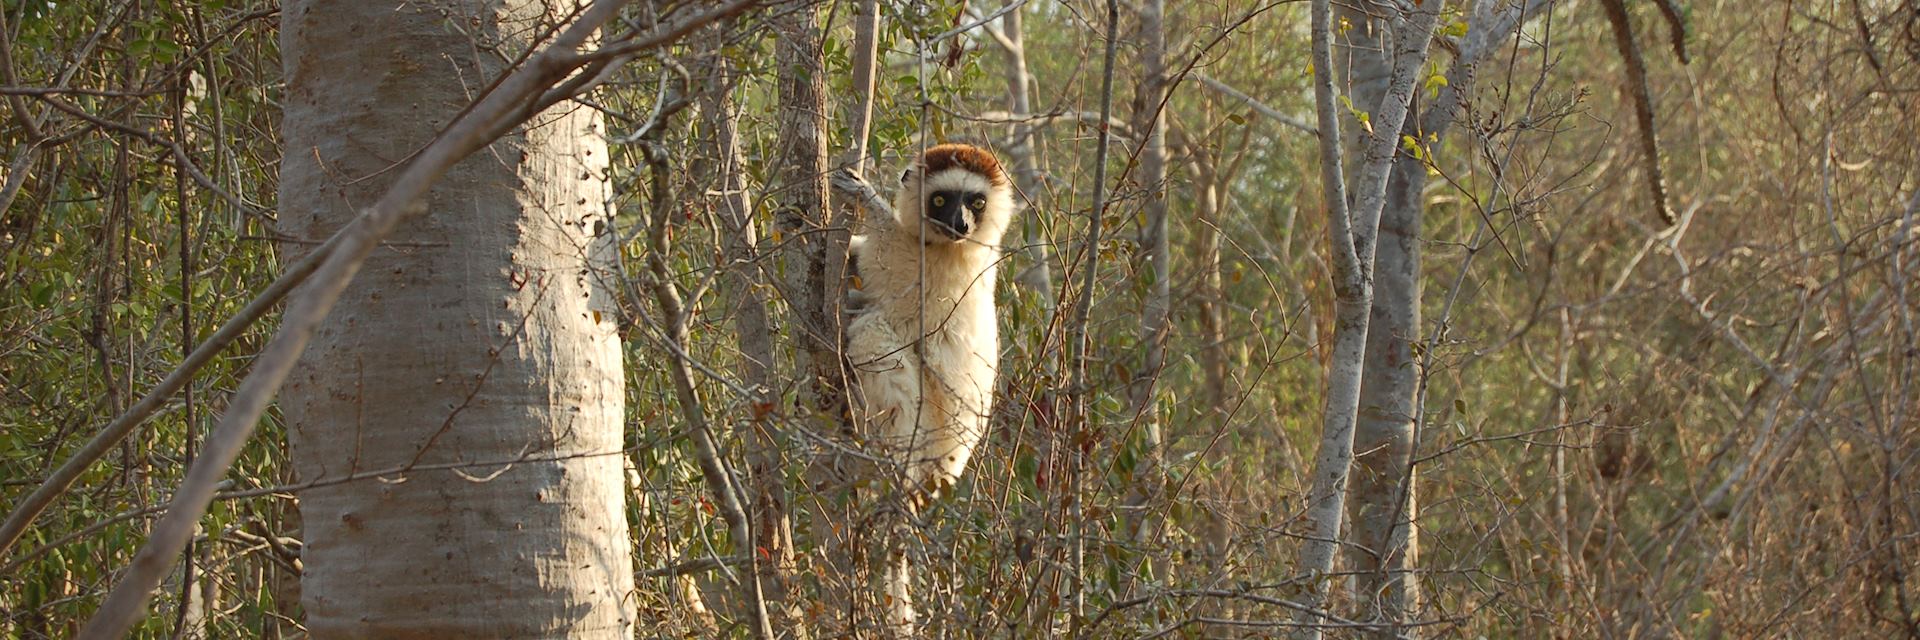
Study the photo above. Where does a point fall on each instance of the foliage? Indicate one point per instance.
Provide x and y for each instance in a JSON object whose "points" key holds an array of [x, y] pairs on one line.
{"points": [[1626, 430]]}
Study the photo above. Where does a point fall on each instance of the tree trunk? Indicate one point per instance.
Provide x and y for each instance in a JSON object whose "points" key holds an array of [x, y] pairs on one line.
{"points": [[1023, 156], [474, 364], [1152, 122], [1385, 551], [1381, 554], [1384, 547], [750, 317], [1352, 235], [1208, 306], [816, 275]]}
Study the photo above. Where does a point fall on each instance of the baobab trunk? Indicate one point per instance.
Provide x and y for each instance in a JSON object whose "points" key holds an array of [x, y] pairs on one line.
{"points": [[473, 364]]}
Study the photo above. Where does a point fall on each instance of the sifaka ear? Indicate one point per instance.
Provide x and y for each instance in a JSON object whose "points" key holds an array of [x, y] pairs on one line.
{"points": [[904, 175]]}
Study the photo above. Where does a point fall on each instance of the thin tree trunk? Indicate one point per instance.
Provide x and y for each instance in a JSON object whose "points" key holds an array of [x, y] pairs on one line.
{"points": [[677, 320], [1352, 241], [1636, 86], [483, 345], [750, 317], [1150, 472], [815, 285], [836, 509], [1023, 155], [1385, 549], [1079, 344], [1208, 307]]}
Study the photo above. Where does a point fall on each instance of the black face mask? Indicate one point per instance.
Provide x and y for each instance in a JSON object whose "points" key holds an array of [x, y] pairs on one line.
{"points": [[954, 213]]}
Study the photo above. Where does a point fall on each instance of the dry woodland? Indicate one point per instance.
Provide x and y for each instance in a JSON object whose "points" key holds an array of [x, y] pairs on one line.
{"points": [[1351, 318]]}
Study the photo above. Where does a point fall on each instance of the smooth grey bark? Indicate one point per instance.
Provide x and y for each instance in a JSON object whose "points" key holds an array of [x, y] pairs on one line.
{"points": [[1151, 92], [1384, 546], [866, 51], [1023, 155], [1153, 240], [1385, 549], [1380, 554], [1079, 351], [484, 345], [1352, 229], [1208, 308]]}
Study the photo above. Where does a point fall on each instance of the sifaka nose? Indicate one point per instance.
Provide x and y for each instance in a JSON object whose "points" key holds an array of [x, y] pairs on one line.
{"points": [[951, 215]]}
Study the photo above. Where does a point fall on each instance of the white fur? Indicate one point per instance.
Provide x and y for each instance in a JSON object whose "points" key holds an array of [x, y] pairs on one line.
{"points": [[929, 402]]}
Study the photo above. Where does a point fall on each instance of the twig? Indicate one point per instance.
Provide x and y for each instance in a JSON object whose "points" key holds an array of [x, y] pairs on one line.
{"points": [[1258, 106]]}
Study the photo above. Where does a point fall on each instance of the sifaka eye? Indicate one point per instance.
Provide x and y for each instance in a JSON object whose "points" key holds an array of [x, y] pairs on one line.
{"points": [[939, 201], [978, 203]]}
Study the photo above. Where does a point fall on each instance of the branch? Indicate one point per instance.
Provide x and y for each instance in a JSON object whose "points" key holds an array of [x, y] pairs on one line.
{"points": [[1676, 28], [848, 183], [1258, 106], [1642, 106], [1114, 126], [696, 565], [1484, 32]]}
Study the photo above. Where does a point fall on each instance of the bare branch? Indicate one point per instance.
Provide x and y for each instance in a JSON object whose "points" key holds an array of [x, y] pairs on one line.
{"points": [[1636, 81], [1258, 106], [1676, 28]]}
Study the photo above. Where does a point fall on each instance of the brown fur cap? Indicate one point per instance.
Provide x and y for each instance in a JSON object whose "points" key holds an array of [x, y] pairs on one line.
{"points": [[966, 157]]}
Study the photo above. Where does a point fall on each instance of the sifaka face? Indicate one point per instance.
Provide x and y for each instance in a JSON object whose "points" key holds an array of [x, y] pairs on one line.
{"points": [[957, 195]]}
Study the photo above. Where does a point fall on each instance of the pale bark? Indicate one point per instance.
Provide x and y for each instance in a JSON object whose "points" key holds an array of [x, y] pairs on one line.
{"points": [[1352, 237], [1385, 548], [1383, 441], [1023, 154], [831, 476], [1079, 353], [866, 51], [511, 100], [1208, 307], [486, 344], [1149, 474]]}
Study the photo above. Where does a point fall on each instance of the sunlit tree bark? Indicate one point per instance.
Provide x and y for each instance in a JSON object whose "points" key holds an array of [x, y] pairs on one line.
{"points": [[475, 355]]}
